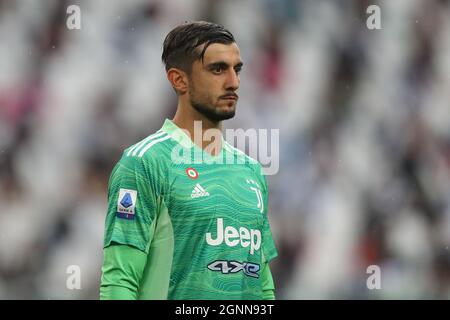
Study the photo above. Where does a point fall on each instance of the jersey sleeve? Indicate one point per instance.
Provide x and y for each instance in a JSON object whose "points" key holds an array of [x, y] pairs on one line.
{"points": [[122, 271], [267, 283], [269, 249], [133, 194]]}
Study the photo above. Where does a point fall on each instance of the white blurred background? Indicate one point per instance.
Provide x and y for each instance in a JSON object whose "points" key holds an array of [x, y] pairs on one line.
{"points": [[364, 119]]}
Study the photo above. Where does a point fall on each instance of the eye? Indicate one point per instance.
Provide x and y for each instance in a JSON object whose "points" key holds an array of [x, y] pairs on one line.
{"points": [[237, 70], [217, 69]]}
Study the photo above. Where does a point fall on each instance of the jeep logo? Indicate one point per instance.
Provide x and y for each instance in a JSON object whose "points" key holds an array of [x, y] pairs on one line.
{"points": [[233, 237]]}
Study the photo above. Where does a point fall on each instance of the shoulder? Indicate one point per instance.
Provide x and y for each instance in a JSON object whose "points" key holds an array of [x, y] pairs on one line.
{"points": [[149, 153], [151, 145]]}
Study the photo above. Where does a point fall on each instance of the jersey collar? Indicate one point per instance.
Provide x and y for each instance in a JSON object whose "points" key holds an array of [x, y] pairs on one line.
{"points": [[182, 137], [177, 134]]}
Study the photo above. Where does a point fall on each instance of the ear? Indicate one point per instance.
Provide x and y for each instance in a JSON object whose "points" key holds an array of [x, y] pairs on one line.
{"points": [[178, 79]]}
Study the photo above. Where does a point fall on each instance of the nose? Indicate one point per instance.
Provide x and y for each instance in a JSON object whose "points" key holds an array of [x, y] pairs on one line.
{"points": [[233, 81]]}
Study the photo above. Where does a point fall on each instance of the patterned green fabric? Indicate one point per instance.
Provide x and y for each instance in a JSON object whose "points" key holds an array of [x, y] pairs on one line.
{"points": [[201, 220]]}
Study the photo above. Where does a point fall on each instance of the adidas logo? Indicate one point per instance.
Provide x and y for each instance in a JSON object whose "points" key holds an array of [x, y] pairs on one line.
{"points": [[199, 192]]}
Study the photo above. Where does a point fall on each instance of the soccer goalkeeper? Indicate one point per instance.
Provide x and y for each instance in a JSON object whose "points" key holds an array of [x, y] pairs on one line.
{"points": [[190, 230]]}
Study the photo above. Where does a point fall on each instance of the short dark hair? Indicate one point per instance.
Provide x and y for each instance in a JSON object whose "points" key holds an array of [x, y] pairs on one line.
{"points": [[180, 45]]}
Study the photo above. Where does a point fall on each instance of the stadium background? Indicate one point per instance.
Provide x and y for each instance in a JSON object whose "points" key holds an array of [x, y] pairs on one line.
{"points": [[364, 119]]}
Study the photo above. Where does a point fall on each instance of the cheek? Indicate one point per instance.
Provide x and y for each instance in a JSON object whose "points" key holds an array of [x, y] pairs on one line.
{"points": [[206, 88]]}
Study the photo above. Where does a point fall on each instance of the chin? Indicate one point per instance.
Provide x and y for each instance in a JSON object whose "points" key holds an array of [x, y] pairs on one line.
{"points": [[227, 112], [228, 115], [223, 114], [218, 112]]}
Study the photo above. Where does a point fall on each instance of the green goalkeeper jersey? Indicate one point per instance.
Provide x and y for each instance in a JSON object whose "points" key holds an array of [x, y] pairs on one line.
{"points": [[198, 222]]}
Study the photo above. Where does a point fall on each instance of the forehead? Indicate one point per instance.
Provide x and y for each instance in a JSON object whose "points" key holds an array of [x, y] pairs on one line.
{"points": [[228, 53]]}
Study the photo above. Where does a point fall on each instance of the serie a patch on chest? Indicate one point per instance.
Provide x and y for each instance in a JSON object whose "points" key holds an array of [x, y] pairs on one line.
{"points": [[126, 203]]}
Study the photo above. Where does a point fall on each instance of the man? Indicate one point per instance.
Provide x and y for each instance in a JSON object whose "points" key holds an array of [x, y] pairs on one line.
{"points": [[190, 229]]}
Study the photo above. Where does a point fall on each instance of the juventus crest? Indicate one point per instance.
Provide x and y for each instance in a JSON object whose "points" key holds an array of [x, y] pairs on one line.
{"points": [[255, 188]]}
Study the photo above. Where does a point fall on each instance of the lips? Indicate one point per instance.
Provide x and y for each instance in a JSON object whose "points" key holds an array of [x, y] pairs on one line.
{"points": [[230, 97]]}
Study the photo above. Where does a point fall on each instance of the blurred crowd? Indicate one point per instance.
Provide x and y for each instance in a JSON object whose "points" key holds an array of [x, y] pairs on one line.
{"points": [[364, 120]]}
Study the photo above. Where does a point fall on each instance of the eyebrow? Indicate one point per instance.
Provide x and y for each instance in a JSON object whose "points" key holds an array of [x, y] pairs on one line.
{"points": [[223, 64]]}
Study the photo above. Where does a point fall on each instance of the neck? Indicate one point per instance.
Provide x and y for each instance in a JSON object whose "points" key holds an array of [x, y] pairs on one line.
{"points": [[185, 118]]}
